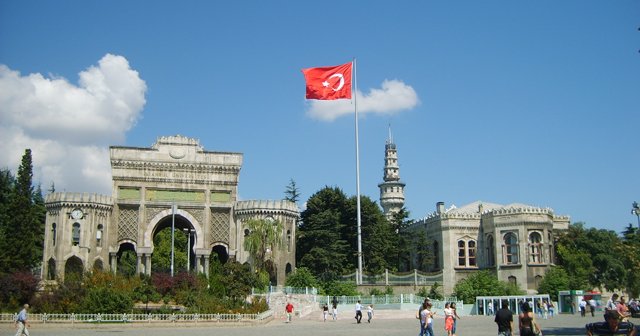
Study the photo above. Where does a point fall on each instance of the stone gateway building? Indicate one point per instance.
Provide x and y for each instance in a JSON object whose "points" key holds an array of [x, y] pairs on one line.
{"points": [[174, 182]]}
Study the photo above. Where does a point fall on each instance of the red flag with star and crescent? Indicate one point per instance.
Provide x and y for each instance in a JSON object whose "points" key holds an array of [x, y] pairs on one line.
{"points": [[328, 83]]}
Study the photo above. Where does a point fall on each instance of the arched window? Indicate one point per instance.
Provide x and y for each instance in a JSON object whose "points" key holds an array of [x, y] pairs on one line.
{"points": [[510, 249], [99, 235], [538, 280], [467, 253], [51, 269], [535, 248], [288, 240], [491, 251], [472, 253], [513, 280], [53, 234], [462, 254], [75, 234]]}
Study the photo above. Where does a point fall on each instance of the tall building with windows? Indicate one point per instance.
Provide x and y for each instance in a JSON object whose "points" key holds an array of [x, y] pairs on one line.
{"points": [[514, 241]]}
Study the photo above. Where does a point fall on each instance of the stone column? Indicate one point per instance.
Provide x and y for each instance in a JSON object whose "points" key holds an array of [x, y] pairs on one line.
{"points": [[147, 261], [114, 262], [139, 264], [206, 265]]}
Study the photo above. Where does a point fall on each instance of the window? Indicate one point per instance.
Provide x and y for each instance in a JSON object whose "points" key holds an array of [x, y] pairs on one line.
{"points": [[288, 240], [510, 249], [99, 235], [53, 234], [467, 253], [513, 280], [491, 255], [75, 234], [535, 248], [550, 242], [472, 253], [462, 257]]}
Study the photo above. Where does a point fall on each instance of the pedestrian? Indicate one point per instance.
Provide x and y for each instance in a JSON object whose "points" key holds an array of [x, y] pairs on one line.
{"points": [[448, 319], [612, 303], [490, 307], [22, 322], [527, 323], [358, 311], [334, 311], [325, 312], [419, 316], [369, 313], [583, 307], [455, 318], [552, 308], [289, 311], [504, 320], [612, 325], [592, 305], [427, 317]]}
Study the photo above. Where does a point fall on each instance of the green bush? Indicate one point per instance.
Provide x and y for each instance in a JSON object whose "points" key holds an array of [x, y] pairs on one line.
{"points": [[106, 300]]}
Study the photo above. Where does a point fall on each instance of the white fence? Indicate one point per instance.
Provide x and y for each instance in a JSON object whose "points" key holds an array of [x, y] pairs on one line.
{"points": [[138, 318]]}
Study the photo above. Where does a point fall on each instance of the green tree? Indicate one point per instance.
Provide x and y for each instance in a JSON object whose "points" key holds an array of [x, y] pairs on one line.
{"points": [[378, 237], [630, 256], [292, 193], [402, 244], [555, 279], [161, 257], [264, 237], [301, 278], [483, 283], [23, 235], [322, 245]]}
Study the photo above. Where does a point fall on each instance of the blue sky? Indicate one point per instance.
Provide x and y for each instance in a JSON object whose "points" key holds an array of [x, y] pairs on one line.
{"points": [[515, 102]]}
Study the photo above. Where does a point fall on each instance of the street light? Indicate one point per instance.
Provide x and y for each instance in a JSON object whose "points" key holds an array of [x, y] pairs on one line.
{"points": [[188, 231], [635, 210]]}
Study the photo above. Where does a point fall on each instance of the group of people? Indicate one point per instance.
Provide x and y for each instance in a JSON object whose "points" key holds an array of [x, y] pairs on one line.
{"points": [[425, 315], [616, 319], [358, 311], [526, 321]]}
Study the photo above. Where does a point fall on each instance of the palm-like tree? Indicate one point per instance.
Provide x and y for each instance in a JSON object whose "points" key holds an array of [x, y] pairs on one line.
{"points": [[264, 235]]}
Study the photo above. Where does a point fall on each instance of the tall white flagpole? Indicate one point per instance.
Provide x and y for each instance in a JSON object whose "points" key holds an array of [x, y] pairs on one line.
{"points": [[355, 104]]}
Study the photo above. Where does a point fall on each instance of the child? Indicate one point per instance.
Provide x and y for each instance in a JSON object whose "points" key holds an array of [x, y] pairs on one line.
{"points": [[325, 312], [370, 313]]}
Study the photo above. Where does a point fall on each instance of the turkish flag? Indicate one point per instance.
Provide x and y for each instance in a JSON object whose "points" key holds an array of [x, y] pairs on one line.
{"points": [[328, 83]]}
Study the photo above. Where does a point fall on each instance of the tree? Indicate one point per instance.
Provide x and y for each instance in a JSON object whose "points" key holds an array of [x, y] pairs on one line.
{"points": [[483, 283], [292, 193], [300, 278], [23, 232], [555, 279], [402, 243], [264, 236], [378, 237], [321, 243], [161, 257]]}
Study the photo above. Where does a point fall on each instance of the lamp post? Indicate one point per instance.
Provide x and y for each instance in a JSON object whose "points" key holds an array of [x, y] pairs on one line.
{"points": [[173, 229], [188, 231], [635, 210]]}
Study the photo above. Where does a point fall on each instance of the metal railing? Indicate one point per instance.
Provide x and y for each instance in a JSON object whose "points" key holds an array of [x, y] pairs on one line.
{"points": [[138, 318]]}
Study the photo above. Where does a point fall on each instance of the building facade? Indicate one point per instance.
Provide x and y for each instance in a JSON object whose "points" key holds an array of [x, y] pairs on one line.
{"points": [[174, 182], [514, 241]]}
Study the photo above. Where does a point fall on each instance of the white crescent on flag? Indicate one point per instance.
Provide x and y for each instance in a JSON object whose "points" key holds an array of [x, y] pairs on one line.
{"points": [[340, 85]]}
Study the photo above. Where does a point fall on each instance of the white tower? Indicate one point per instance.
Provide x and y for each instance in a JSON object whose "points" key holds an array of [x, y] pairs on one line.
{"points": [[391, 190]]}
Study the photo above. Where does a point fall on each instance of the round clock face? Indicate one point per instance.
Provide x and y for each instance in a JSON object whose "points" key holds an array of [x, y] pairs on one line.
{"points": [[76, 214]]}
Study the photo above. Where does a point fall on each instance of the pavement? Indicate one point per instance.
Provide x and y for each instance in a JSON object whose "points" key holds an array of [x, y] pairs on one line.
{"points": [[387, 323]]}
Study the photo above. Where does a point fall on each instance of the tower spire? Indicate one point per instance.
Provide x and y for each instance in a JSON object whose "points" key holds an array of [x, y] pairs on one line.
{"points": [[391, 189]]}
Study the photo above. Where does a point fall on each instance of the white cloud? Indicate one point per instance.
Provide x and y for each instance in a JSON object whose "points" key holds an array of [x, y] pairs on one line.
{"points": [[69, 127], [394, 97]]}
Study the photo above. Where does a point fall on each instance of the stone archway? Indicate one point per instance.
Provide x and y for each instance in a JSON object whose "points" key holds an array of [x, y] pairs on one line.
{"points": [[126, 259], [73, 268]]}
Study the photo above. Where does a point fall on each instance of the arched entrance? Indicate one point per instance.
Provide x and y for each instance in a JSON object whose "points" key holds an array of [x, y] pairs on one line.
{"points": [[51, 269], [73, 269], [127, 259], [184, 240]]}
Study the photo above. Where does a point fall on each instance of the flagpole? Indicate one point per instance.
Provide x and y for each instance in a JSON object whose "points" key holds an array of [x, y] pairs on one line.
{"points": [[355, 104]]}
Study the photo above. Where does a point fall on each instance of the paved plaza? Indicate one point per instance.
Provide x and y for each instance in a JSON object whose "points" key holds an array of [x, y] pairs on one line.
{"points": [[384, 323]]}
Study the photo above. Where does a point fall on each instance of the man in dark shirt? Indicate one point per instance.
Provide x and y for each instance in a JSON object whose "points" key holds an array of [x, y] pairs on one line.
{"points": [[504, 320], [612, 326]]}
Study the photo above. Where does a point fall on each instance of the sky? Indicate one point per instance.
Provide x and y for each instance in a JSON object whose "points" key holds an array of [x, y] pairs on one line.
{"points": [[533, 102]]}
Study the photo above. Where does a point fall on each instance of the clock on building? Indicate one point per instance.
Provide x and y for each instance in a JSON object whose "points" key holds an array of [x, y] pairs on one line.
{"points": [[77, 214]]}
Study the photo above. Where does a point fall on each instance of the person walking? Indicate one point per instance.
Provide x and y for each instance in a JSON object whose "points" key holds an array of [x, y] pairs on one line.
{"points": [[358, 311], [455, 318], [289, 311], [527, 323], [22, 321], [325, 312], [448, 319], [504, 320], [334, 308], [583, 307], [369, 313]]}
